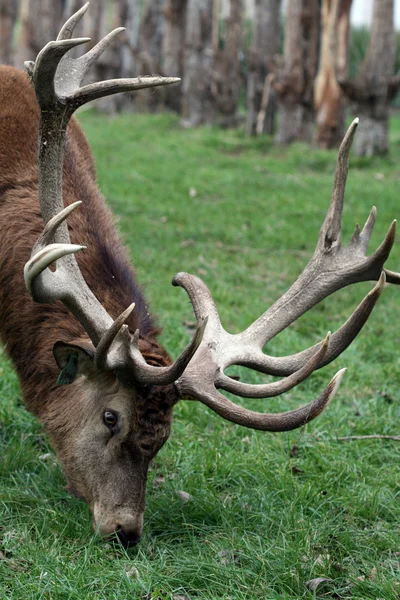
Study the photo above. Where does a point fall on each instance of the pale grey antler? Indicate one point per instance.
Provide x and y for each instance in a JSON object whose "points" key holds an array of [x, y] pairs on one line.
{"points": [[57, 79], [331, 268]]}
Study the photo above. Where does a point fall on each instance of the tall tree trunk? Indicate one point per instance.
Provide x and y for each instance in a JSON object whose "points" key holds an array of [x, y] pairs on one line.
{"points": [[8, 17], [296, 73], [265, 46], [149, 56], [375, 86], [226, 79], [197, 103], [334, 57], [40, 22], [125, 53], [173, 49], [129, 14]]}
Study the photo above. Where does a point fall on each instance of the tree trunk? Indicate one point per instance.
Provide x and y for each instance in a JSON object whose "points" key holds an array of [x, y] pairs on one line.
{"points": [[197, 103], [173, 49], [295, 74], [334, 57], [124, 59], [8, 17], [265, 46], [149, 57], [375, 86], [40, 22], [226, 79]]}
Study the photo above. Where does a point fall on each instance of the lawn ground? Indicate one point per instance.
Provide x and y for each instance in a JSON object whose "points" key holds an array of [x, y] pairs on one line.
{"points": [[267, 512]]}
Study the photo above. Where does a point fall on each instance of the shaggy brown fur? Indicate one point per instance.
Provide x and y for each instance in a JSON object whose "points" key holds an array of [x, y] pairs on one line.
{"points": [[30, 330]]}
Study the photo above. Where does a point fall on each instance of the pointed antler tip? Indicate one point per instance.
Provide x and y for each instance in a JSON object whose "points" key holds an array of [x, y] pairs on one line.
{"points": [[337, 379]]}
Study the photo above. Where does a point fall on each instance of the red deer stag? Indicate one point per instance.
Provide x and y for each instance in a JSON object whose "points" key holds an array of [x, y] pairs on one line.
{"points": [[86, 350]]}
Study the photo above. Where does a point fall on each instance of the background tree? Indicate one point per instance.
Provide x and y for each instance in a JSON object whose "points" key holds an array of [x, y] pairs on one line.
{"points": [[173, 49], [226, 77], [374, 87], [295, 71], [40, 21], [330, 102], [8, 17], [197, 102], [149, 53], [265, 45]]}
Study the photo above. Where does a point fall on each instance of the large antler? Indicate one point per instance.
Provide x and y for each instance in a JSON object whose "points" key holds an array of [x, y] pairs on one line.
{"points": [[331, 268], [57, 79], [199, 372]]}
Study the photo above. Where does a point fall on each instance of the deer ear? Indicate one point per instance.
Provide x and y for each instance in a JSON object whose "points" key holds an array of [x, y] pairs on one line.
{"points": [[73, 358]]}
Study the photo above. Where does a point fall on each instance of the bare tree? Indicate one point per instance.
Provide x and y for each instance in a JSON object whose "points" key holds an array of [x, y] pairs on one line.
{"points": [[149, 52], [197, 102], [295, 71], [375, 86], [226, 79], [173, 49], [40, 22], [265, 46], [8, 17], [334, 57]]}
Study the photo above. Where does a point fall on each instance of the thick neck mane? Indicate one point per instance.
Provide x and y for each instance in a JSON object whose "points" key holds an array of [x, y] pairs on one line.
{"points": [[30, 330]]}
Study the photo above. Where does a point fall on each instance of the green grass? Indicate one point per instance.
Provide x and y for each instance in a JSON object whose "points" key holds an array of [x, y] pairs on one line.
{"points": [[268, 512]]}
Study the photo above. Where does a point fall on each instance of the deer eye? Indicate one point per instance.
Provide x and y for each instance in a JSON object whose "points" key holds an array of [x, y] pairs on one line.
{"points": [[110, 418]]}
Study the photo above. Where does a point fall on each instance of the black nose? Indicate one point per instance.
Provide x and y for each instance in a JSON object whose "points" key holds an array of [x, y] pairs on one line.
{"points": [[128, 538]]}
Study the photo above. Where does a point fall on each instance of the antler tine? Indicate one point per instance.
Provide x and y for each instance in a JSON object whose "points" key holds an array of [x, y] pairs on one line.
{"points": [[285, 421], [365, 235], [146, 375], [94, 91], [90, 57], [330, 232], [339, 341], [392, 277], [276, 388], [101, 357], [68, 28]]}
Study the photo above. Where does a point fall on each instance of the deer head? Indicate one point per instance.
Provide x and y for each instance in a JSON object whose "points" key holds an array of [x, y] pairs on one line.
{"points": [[122, 391]]}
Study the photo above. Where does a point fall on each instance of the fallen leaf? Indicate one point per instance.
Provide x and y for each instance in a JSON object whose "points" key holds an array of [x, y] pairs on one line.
{"points": [[184, 496], [45, 457], [158, 481], [313, 584]]}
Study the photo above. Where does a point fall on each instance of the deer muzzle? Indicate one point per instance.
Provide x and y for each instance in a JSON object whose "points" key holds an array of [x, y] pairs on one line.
{"points": [[125, 525]]}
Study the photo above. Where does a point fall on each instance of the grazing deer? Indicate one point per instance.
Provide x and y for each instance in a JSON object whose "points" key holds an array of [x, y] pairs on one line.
{"points": [[86, 351]]}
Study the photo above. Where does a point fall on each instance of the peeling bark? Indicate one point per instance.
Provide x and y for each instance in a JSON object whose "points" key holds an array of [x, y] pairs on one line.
{"points": [[295, 72], [330, 101]]}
